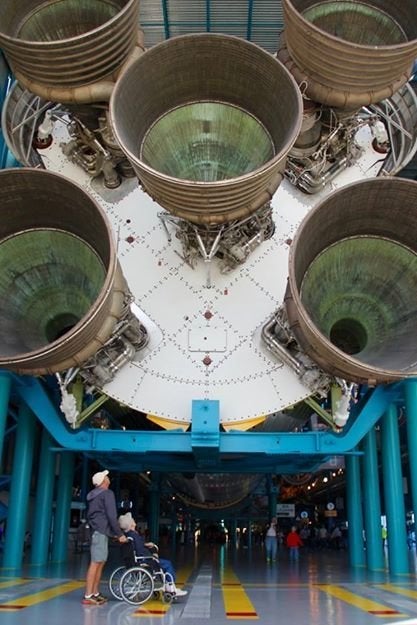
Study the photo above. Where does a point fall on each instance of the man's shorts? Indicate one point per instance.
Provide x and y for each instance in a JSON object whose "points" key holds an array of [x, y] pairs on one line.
{"points": [[99, 547]]}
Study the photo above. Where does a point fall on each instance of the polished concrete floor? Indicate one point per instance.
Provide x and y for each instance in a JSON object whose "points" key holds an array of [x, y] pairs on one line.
{"points": [[223, 585]]}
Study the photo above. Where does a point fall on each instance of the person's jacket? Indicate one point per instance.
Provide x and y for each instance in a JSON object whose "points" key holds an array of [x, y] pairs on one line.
{"points": [[138, 543], [102, 512], [293, 540]]}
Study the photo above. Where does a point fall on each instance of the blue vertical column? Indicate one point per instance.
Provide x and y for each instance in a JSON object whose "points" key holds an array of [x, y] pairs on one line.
{"points": [[154, 503], [272, 497], [19, 489], [84, 482], [411, 414], [63, 508], [5, 384], [174, 532], [354, 511], [43, 502], [232, 527], [372, 503], [393, 491]]}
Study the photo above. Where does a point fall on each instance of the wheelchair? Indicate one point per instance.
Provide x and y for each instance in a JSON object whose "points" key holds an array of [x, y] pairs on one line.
{"points": [[140, 578]]}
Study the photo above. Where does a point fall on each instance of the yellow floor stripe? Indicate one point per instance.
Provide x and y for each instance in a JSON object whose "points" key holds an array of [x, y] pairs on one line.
{"points": [[38, 597], [406, 592], [183, 574], [14, 582], [237, 604], [152, 608], [372, 607], [156, 607]]}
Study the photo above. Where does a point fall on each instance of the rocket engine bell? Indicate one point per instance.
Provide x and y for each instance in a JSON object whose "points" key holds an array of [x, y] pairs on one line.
{"points": [[345, 55], [64, 44], [64, 301], [217, 117], [351, 297], [350, 53], [71, 52]]}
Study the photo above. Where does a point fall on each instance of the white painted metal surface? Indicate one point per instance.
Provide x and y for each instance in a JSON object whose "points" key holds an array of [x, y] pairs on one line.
{"points": [[204, 340]]}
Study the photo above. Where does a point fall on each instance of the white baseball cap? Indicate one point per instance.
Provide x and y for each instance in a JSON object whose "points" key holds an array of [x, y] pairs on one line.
{"points": [[98, 478]]}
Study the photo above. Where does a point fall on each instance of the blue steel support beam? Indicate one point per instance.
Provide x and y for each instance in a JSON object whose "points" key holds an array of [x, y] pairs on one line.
{"points": [[166, 18], [411, 414], [250, 17], [154, 506], [208, 16], [173, 531], [43, 503], [372, 503], [274, 444], [272, 498], [19, 489], [63, 508], [136, 463], [205, 432], [5, 383], [393, 491], [354, 511]]}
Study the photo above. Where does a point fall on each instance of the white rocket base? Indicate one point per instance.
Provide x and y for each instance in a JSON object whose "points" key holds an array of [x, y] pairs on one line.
{"points": [[171, 300]]}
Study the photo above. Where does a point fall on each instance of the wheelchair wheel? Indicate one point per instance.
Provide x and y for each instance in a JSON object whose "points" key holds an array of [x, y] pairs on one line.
{"points": [[136, 585], [114, 582], [167, 597]]}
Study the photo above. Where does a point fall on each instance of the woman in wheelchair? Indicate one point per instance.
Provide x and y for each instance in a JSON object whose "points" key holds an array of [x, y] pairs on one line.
{"points": [[150, 552]]}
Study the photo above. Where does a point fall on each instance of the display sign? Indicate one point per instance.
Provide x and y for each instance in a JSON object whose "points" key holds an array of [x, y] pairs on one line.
{"points": [[286, 510]]}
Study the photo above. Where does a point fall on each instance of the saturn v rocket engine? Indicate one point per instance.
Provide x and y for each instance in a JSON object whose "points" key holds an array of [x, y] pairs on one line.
{"points": [[65, 305], [207, 121], [350, 308], [346, 56], [69, 54]]}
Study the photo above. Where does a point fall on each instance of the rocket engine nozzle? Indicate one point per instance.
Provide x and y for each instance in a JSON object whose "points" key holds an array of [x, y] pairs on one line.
{"points": [[207, 121], [61, 287], [349, 53], [57, 46], [351, 296]]}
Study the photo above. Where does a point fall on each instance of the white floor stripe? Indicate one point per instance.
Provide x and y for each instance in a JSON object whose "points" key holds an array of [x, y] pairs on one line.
{"points": [[199, 600]]}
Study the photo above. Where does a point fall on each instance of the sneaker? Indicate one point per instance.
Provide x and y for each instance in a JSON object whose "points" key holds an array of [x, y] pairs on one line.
{"points": [[101, 598], [180, 593], [91, 600]]}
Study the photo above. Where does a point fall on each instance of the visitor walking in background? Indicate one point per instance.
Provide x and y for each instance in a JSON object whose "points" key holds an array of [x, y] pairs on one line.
{"points": [[271, 540], [294, 542]]}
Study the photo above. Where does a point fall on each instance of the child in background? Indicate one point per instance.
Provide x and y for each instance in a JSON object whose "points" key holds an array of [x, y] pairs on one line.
{"points": [[294, 542]]}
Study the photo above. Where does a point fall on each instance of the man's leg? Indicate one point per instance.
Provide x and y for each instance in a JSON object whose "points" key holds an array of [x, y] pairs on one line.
{"points": [[97, 578], [99, 554], [93, 578]]}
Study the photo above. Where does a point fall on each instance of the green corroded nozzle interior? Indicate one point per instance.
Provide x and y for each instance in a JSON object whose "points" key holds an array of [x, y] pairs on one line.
{"points": [[61, 287], [351, 299]]}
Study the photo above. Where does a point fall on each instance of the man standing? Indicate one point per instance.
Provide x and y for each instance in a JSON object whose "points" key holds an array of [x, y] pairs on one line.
{"points": [[102, 519]]}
